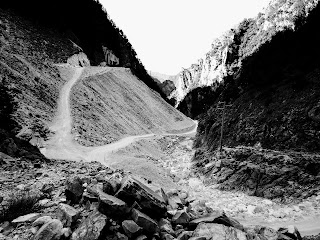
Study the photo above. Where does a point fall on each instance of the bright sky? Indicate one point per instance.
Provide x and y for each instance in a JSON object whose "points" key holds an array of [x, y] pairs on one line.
{"points": [[170, 34]]}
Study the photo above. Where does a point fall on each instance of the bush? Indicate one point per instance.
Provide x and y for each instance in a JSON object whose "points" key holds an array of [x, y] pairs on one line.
{"points": [[19, 204]]}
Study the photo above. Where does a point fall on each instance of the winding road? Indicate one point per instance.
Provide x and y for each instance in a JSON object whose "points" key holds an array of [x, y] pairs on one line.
{"points": [[62, 145]]}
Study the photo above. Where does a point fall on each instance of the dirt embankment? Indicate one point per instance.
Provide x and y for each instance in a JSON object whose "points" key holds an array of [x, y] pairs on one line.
{"points": [[109, 106]]}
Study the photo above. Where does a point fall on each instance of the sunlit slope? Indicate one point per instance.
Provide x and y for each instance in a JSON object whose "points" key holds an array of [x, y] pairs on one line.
{"points": [[109, 106]]}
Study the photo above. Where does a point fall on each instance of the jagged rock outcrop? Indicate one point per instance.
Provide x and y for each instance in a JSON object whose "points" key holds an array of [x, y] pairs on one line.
{"points": [[109, 57], [79, 60], [228, 51]]}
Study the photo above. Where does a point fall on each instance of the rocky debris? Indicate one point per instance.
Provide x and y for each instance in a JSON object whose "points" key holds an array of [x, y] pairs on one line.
{"points": [[144, 221], [218, 231], [68, 215], [112, 206], [79, 209], [131, 229], [181, 217], [263, 173], [79, 60], [91, 228], [150, 202], [74, 189], [165, 226], [49, 231]]}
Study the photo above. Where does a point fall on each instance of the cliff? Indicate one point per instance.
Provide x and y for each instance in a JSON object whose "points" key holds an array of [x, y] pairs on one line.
{"points": [[228, 52], [270, 76]]}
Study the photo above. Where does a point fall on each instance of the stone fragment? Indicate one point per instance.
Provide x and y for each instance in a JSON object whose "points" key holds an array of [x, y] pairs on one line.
{"points": [[67, 214], [197, 238], [66, 232], [175, 202], [185, 235], [47, 188], [49, 231], [74, 189], [181, 217], [165, 226], [166, 236], [91, 228], [217, 217], [41, 221], [26, 218], [144, 221], [112, 206], [151, 203], [218, 232], [131, 229], [141, 237]]}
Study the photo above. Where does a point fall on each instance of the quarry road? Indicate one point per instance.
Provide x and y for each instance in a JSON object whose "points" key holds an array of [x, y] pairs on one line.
{"points": [[62, 145]]}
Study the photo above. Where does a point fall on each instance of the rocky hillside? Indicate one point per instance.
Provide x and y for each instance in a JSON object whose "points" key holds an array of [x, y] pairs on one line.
{"points": [[233, 47], [109, 106], [270, 78]]}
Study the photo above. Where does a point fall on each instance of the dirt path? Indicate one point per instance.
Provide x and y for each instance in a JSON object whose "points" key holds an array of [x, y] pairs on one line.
{"points": [[61, 145]]}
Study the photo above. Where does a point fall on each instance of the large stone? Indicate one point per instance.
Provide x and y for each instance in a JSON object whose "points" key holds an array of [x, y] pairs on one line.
{"points": [[131, 229], [165, 226], [74, 189], [144, 221], [185, 235], [174, 202], [41, 221], [218, 232], [181, 217], [150, 202], [49, 231], [217, 217], [92, 228], [112, 206], [67, 214], [26, 218]]}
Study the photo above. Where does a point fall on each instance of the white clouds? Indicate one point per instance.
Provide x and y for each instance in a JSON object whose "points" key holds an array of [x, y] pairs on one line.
{"points": [[170, 34]]}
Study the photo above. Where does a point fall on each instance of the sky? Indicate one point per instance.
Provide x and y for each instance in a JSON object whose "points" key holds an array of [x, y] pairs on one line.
{"points": [[169, 35]]}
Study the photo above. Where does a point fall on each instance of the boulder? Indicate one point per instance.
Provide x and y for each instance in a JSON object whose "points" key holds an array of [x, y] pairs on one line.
{"points": [[165, 226], [218, 232], [131, 229], [151, 203], [26, 218], [74, 190], [49, 231], [181, 217], [185, 235], [41, 221], [217, 217], [166, 236], [91, 228], [112, 206], [144, 221], [142, 237], [174, 202], [67, 214], [111, 186]]}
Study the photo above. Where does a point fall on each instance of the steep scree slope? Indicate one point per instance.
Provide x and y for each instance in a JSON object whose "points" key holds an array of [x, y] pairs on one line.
{"points": [[109, 106], [30, 83]]}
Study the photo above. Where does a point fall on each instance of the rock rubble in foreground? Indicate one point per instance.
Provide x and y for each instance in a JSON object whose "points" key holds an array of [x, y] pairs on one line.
{"points": [[88, 201]]}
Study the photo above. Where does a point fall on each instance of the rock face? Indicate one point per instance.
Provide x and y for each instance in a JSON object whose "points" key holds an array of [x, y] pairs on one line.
{"points": [[263, 173], [109, 57], [273, 91], [79, 60]]}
